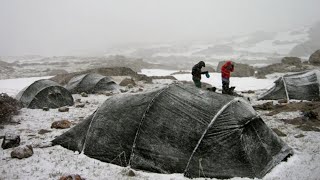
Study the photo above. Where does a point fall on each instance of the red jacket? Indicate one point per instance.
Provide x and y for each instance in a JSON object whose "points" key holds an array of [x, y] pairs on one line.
{"points": [[226, 69]]}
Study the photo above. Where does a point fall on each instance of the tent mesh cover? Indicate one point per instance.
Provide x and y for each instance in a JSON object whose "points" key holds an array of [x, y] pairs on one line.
{"points": [[91, 83], [179, 129], [300, 86], [45, 93]]}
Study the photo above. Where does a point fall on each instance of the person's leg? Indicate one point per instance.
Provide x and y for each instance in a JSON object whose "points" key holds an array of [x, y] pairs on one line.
{"points": [[197, 83], [225, 87]]}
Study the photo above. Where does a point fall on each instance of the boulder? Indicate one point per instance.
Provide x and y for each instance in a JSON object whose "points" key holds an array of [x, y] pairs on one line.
{"points": [[291, 60], [265, 106], [240, 70], [45, 109], [63, 124], [130, 86], [127, 81], [63, 109], [315, 58], [83, 94], [80, 105], [71, 177], [22, 152], [10, 140], [109, 93]]}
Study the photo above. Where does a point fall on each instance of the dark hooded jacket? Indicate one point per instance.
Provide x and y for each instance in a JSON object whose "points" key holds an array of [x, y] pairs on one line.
{"points": [[196, 70]]}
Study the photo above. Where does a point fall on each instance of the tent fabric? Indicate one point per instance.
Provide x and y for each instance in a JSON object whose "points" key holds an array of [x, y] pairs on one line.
{"points": [[179, 129], [91, 83], [299, 86], [45, 93]]}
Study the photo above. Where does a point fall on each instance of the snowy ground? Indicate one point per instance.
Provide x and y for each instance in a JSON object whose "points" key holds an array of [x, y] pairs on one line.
{"points": [[52, 162]]}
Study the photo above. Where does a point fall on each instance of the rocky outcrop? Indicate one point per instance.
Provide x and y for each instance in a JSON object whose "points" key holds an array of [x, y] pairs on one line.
{"points": [[315, 58], [240, 70], [281, 68], [291, 60], [114, 71]]}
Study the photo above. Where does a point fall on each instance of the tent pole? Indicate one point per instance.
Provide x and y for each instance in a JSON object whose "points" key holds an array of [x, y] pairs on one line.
{"points": [[285, 88]]}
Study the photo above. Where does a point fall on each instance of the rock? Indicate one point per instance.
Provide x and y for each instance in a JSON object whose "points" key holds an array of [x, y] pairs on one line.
{"points": [[278, 132], [130, 86], [240, 70], [43, 131], [315, 58], [63, 124], [299, 136], [78, 100], [10, 140], [45, 109], [281, 101], [83, 94], [248, 92], [109, 93], [264, 106], [22, 152], [131, 173], [127, 81], [80, 105], [306, 127], [71, 177], [140, 89], [123, 90], [63, 109], [291, 60]]}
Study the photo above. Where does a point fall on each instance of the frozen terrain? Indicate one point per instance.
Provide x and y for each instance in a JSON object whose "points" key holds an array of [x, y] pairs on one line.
{"points": [[53, 162]]}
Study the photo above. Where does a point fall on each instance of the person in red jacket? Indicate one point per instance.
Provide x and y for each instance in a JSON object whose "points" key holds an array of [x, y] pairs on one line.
{"points": [[226, 70]]}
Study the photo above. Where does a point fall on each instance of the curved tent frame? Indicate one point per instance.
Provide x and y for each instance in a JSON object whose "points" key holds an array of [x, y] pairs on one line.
{"points": [[45, 93], [179, 129], [91, 83]]}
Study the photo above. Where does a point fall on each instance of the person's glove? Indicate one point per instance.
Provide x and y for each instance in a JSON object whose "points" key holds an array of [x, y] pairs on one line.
{"points": [[207, 75]]}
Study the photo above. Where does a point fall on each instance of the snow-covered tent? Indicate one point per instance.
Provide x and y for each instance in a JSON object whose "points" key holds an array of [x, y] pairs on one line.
{"points": [[45, 93], [300, 86], [179, 129], [91, 83]]}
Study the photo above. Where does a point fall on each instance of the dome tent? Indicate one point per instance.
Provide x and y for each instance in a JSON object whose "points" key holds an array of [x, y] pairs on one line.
{"points": [[179, 129], [45, 93], [300, 86], [91, 83]]}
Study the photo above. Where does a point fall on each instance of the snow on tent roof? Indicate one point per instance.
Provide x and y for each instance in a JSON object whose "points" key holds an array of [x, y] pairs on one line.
{"points": [[179, 129], [91, 83], [45, 93], [300, 86]]}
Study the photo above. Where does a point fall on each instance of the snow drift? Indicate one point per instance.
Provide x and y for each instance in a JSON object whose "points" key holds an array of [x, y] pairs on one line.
{"points": [[179, 129], [45, 93], [91, 83], [300, 86]]}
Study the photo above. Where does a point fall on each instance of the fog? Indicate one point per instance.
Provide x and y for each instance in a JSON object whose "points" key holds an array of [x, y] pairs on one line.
{"points": [[71, 27]]}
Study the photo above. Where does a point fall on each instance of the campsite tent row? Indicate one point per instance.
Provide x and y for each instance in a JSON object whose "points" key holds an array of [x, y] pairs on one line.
{"points": [[179, 129], [47, 93]]}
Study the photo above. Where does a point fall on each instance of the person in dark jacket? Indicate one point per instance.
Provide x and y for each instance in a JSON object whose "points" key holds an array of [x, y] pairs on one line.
{"points": [[226, 70], [196, 73]]}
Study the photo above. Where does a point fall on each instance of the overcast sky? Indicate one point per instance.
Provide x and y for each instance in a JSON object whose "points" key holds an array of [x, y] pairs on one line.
{"points": [[62, 27]]}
